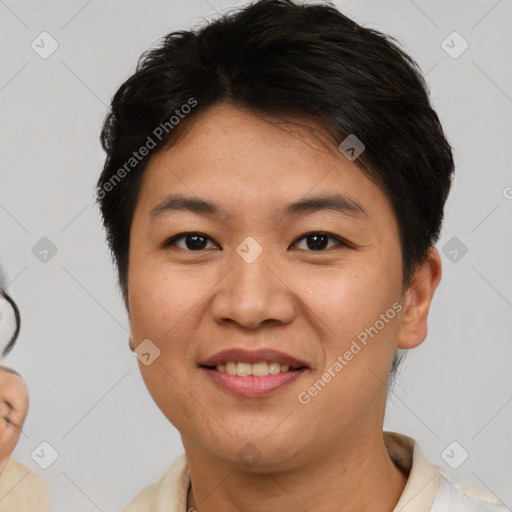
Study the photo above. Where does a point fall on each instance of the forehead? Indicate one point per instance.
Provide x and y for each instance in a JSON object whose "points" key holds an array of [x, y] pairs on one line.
{"points": [[233, 137], [221, 119], [247, 161]]}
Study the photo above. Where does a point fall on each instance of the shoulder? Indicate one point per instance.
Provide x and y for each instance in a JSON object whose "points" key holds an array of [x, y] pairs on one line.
{"points": [[452, 495], [22, 487], [429, 487], [168, 493]]}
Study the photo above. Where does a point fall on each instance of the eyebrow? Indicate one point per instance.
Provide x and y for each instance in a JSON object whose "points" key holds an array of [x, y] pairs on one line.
{"points": [[333, 202]]}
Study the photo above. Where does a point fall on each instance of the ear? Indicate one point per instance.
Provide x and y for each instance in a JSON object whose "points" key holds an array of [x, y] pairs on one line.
{"points": [[418, 297], [131, 343]]}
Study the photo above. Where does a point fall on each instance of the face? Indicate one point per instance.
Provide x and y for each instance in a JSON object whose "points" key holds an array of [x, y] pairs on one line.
{"points": [[312, 283], [13, 404]]}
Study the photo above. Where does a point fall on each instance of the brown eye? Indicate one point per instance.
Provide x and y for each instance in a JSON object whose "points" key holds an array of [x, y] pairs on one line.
{"points": [[191, 241], [319, 240]]}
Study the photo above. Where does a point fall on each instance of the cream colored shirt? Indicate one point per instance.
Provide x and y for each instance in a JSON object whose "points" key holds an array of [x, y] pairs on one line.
{"points": [[428, 488], [22, 490]]}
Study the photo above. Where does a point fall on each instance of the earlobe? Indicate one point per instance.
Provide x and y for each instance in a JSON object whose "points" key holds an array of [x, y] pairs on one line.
{"points": [[414, 326], [130, 343]]}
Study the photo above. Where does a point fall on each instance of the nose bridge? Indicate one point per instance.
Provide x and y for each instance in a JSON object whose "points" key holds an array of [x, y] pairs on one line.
{"points": [[252, 293]]}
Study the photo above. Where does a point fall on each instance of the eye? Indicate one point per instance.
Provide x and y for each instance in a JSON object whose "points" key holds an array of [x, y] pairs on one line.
{"points": [[193, 241], [315, 241], [319, 240]]}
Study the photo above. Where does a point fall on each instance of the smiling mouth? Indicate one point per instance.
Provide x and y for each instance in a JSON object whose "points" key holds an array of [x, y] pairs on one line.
{"points": [[247, 384], [260, 369]]}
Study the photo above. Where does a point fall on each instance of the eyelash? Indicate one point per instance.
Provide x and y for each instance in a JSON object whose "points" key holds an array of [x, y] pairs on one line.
{"points": [[171, 241]]}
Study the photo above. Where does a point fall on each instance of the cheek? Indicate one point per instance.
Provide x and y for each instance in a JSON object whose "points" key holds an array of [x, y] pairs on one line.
{"points": [[9, 442], [357, 313], [171, 392], [165, 307], [350, 298], [358, 348], [159, 298], [162, 310]]}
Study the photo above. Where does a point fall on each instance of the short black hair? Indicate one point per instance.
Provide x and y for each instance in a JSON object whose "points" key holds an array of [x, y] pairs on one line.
{"points": [[17, 319], [278, 58], [9, 370]]}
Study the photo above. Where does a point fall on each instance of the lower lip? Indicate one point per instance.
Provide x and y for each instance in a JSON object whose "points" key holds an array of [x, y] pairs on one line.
{"points": [[250, 385]]}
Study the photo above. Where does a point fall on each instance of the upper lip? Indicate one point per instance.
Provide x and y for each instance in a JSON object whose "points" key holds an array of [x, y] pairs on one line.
{"points": [[252, 356]]}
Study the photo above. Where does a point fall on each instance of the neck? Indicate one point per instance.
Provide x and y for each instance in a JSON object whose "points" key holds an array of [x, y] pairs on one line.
{"points": [[358, 474]]}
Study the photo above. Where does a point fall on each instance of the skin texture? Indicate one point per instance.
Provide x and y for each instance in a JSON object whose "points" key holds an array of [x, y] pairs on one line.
{"points": [[14, 391], [327, 455]]}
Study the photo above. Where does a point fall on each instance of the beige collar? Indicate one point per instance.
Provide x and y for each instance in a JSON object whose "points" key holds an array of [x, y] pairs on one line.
{"points": [[22, 490], [170, 492], [423, 478]]}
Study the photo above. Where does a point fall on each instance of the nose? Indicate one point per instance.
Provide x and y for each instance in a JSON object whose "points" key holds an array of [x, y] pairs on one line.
{"points": [[254, 293]]}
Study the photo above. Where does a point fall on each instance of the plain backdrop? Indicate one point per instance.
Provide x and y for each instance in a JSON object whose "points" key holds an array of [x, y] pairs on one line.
{"points": [[88, 400]]}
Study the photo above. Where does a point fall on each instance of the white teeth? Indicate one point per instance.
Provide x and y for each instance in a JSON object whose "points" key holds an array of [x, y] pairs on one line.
{"points": [[243, 369], [274, 368], [230, 368], [258, 369]]}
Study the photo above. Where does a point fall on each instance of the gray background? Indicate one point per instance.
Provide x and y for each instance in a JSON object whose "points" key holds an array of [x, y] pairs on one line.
{"points": [[87, 397]]}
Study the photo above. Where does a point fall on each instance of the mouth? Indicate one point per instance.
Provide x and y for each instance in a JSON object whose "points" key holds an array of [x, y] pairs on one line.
{"points": [[253, 373], [260, 369]]}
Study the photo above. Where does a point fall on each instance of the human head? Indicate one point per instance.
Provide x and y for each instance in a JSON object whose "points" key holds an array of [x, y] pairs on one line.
{"points": [[13, 406], [274, 64], [305, 60]]}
